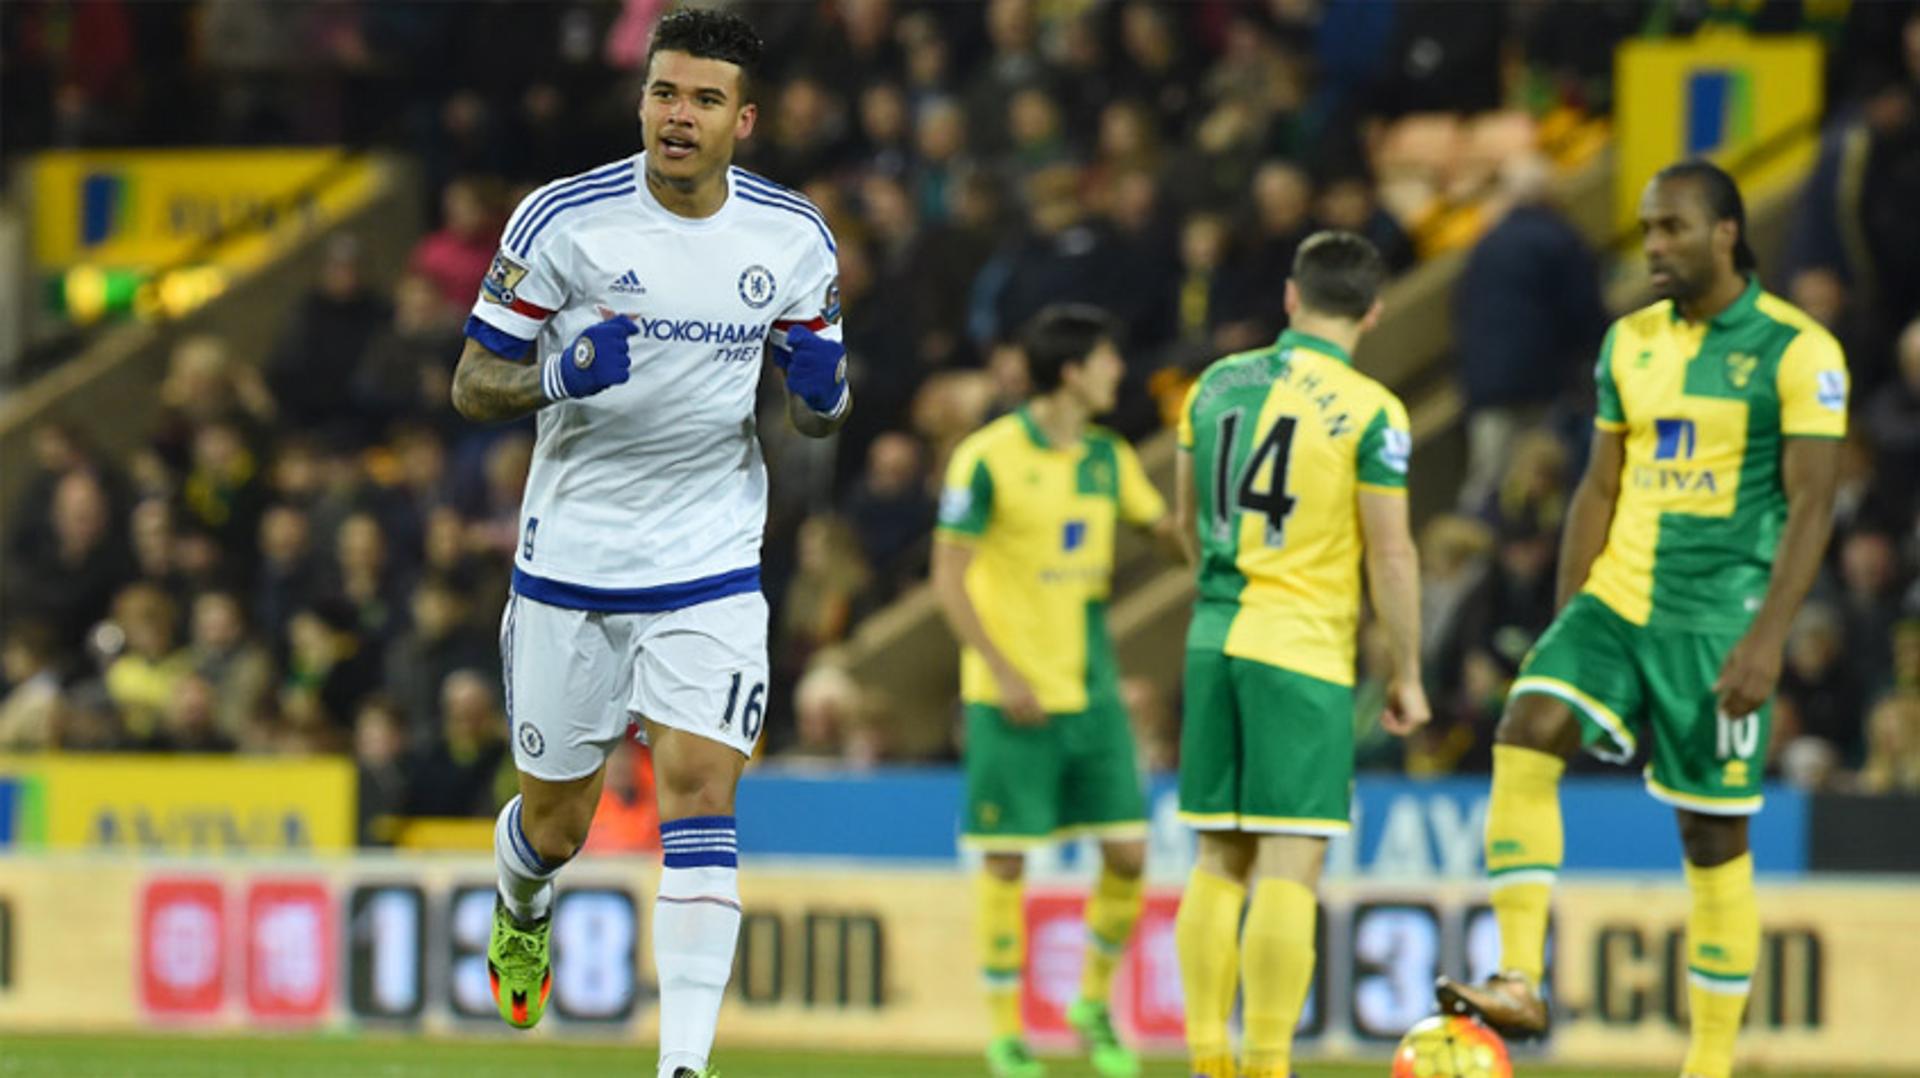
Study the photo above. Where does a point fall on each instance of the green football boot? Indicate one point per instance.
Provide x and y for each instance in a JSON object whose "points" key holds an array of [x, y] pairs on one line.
{"points": [[519, 966], [1007, 1057], [1093, 1021]]}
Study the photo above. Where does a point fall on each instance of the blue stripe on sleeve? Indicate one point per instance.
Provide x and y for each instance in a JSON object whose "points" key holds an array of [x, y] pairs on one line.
{"points": [[559, 190], [758, 180], [745, 196], [496, 340], [747, 181], [760, 185], [526, 243]]}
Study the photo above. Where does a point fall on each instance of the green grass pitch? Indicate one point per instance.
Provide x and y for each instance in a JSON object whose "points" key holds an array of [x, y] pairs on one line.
{"points": [[184, 1056]]}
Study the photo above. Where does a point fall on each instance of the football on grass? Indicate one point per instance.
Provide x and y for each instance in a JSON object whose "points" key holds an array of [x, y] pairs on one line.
{"points": [[1451, 1046]]}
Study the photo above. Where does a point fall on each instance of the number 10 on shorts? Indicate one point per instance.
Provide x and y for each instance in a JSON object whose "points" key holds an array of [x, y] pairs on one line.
{"points": [[752, 715], [1735, 739]]}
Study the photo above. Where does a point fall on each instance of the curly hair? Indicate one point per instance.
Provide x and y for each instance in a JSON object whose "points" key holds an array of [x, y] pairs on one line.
{"points": [[711, 35]]}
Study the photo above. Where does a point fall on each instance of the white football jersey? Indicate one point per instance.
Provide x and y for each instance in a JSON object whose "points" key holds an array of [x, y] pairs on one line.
{"points": [[652, 495]]}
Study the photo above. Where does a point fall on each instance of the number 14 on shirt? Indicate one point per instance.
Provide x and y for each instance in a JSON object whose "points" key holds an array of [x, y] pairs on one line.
{"points": [[1231, 497]]}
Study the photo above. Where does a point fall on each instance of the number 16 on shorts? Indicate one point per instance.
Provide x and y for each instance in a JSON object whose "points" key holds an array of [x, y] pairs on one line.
{"points": [[752, 715]]}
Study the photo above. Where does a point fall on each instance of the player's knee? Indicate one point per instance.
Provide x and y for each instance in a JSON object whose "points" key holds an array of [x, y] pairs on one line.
{"points": [[1712, 840], [697, 795], [694, 776], [1540, 723], [1006, 867], [1126, 860], [1291, 857], [1228, 854]]}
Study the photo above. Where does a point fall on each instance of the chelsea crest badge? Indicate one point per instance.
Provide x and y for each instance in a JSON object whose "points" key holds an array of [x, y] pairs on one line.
{"points": [[756, 286]]}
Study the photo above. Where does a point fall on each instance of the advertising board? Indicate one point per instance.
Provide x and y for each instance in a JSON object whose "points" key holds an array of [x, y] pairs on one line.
{"points": [[1748, 102], [848, 957], [143, 209], [1403, 828], [177, 804]]}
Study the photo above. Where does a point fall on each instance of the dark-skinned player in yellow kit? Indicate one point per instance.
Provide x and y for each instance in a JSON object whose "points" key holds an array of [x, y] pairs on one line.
{"points": [[1694, 535]]}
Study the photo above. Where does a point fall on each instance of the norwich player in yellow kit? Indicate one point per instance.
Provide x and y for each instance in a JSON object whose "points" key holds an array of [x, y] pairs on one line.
{"points": [[1292, 476], [1697, 530], [1022, 565]]}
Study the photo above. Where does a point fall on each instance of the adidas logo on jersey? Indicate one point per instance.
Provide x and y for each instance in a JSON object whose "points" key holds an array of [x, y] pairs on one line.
{"points": [[628, 282]]}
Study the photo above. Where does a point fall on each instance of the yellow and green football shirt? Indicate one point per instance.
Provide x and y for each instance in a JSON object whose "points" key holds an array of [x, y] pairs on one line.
{"points": [[1283, 440], [1041, 520], [1705, 407]]}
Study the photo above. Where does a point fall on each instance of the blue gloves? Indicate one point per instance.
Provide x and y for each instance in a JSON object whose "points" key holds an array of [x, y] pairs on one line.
{"points": [[816, 369], [595, 360]]}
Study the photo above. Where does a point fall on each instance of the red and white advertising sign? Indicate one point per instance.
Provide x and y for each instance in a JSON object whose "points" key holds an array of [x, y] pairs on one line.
{"points": [[183, 955], [290, 950], [1056, 938], [1153, 1005], [1146, 992]]}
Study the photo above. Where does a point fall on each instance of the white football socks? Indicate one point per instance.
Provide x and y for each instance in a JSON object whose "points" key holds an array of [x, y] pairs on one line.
{"points": [[696, 920], [526, 881]]}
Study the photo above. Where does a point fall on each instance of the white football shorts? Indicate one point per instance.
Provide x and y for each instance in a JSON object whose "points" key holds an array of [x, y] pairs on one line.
{"points": [[578, 680]]}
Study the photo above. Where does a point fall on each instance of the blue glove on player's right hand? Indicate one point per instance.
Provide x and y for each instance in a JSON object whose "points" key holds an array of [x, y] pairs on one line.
{"points": [[596, 359]]}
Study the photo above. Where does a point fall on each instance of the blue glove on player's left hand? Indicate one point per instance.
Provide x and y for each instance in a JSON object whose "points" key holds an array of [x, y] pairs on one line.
{"points": [[816, 369]]}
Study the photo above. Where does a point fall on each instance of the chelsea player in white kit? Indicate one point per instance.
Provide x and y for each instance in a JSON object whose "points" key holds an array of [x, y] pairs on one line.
{"points": [[632, 307]]}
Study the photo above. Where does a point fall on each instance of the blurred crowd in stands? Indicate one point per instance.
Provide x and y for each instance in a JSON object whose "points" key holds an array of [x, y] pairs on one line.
{"points": [[309, 554]]}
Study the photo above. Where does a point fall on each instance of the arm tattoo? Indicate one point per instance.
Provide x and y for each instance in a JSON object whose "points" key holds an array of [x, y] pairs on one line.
{"points": [[811, 423], [488, 388]]}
